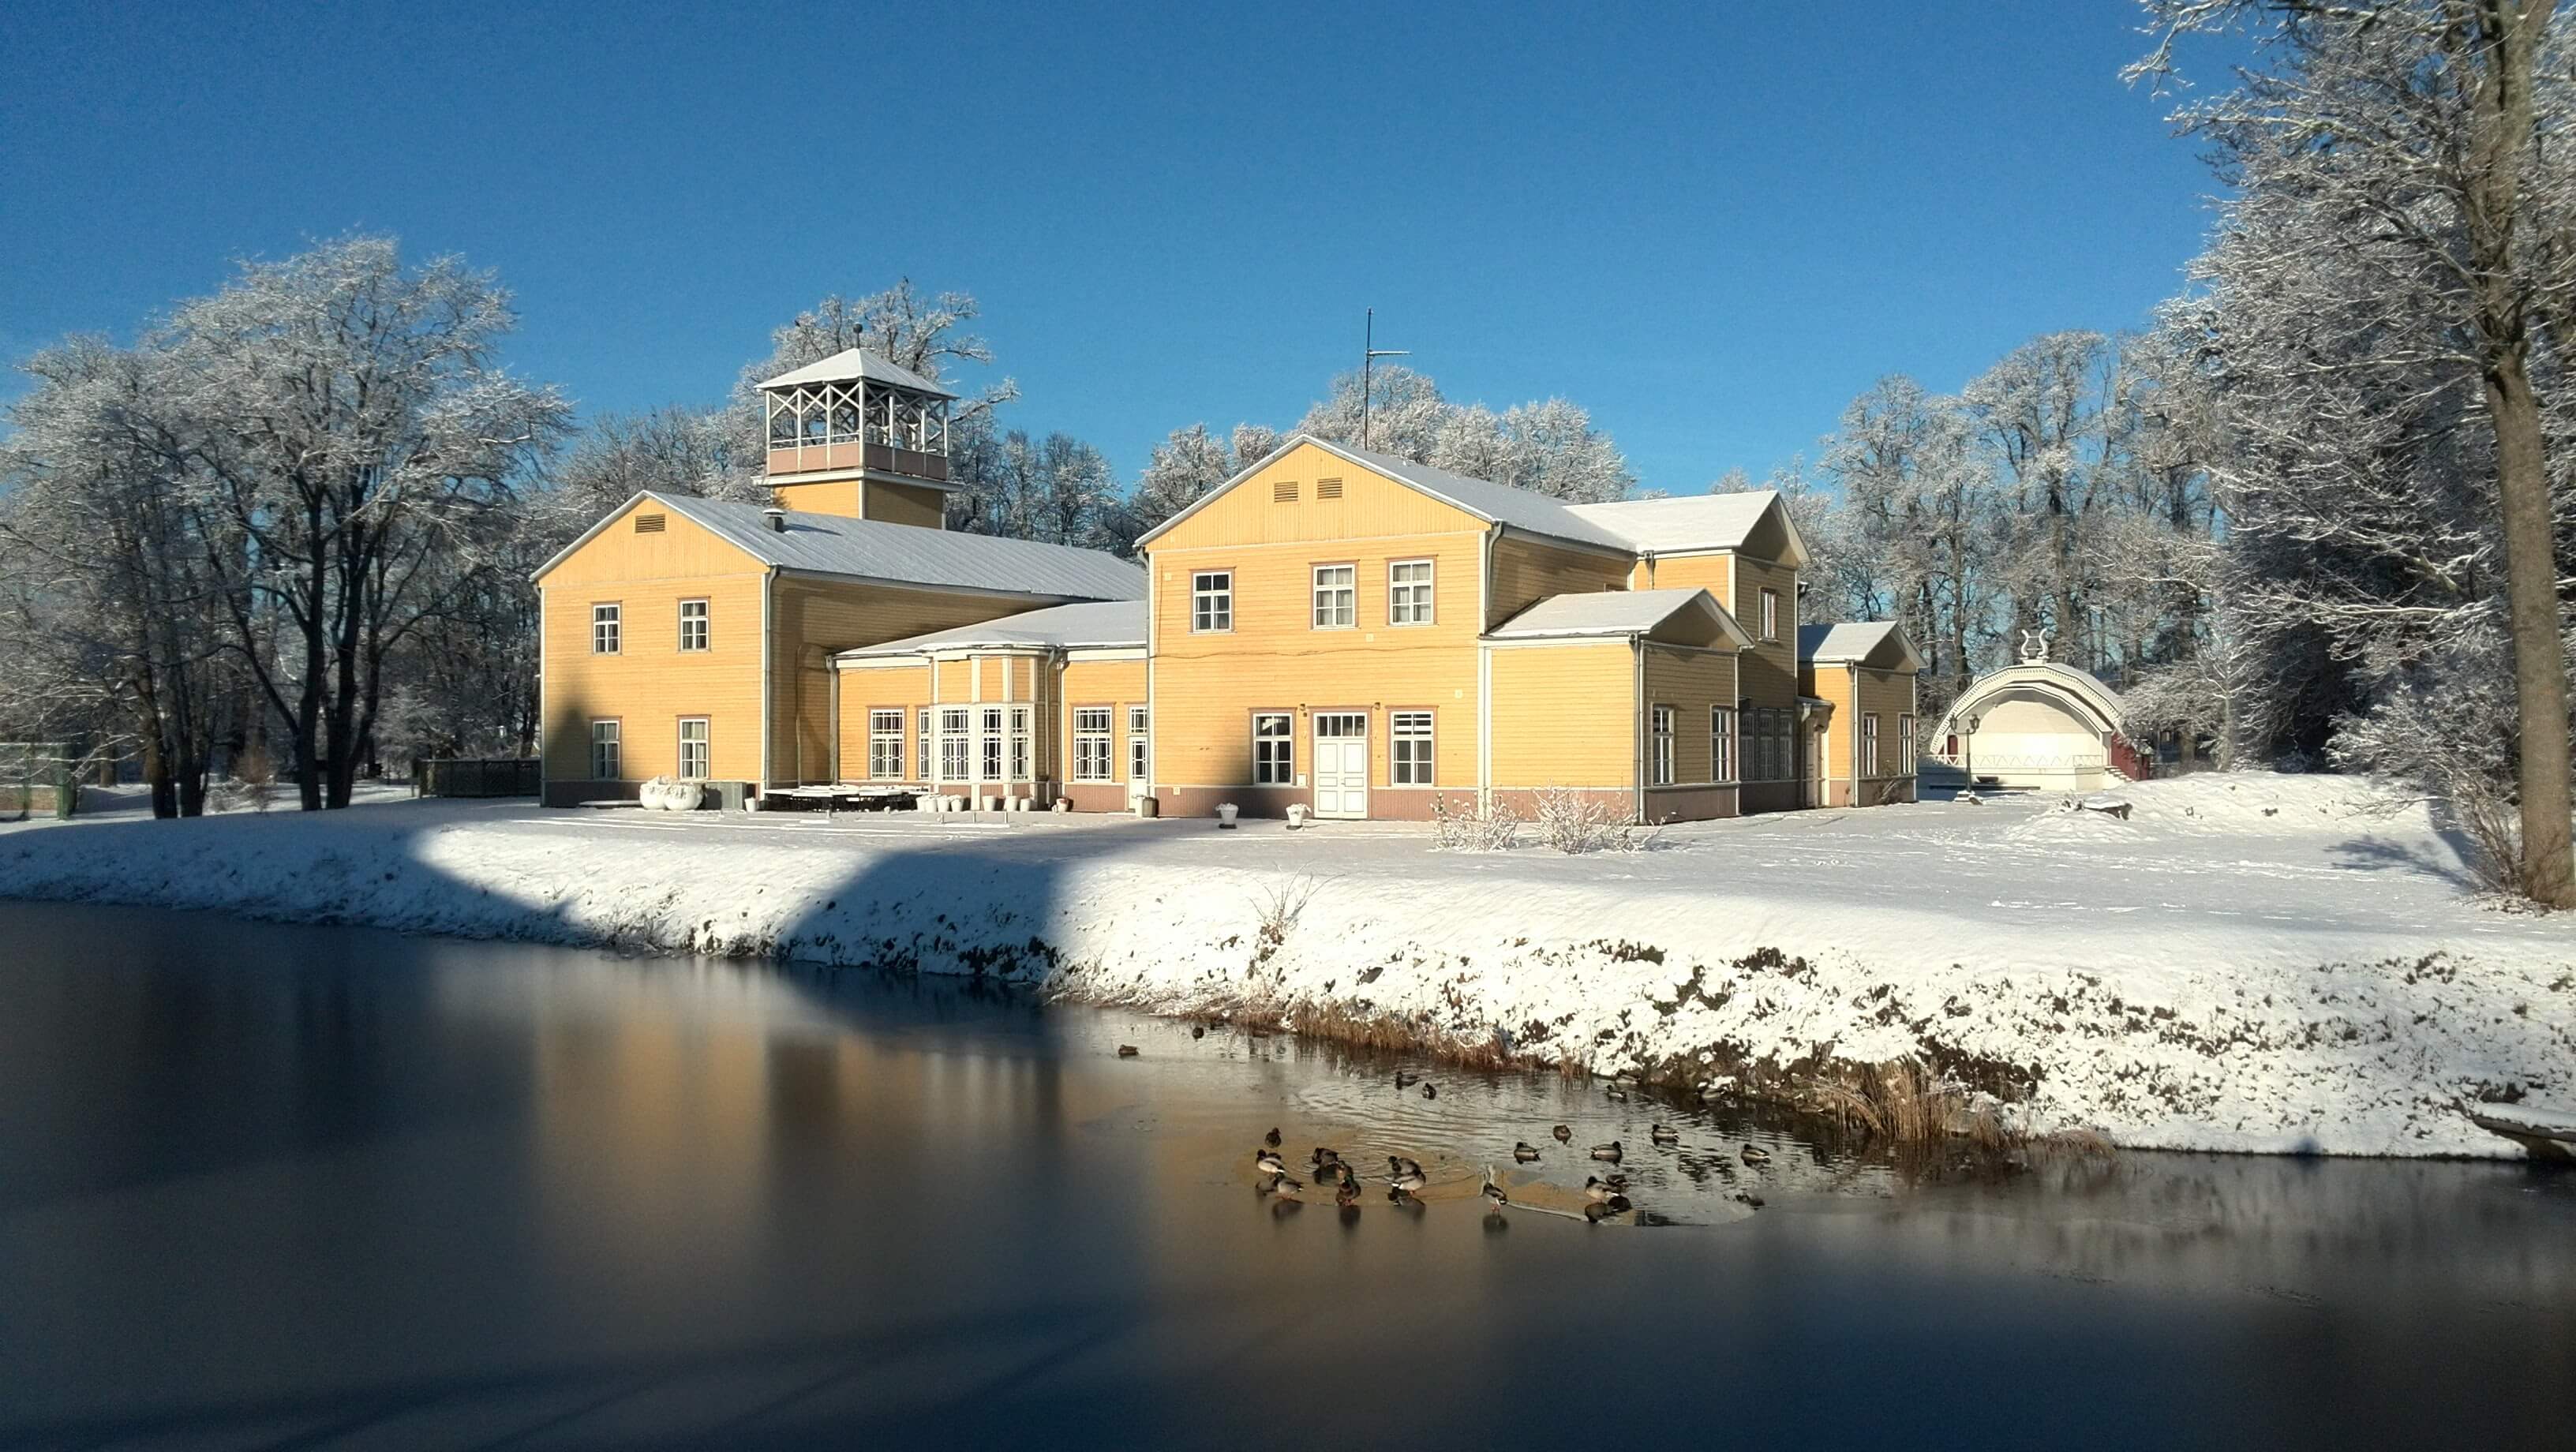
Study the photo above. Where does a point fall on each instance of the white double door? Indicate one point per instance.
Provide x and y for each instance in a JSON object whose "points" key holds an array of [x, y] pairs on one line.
{"points": [[1341, 764]]}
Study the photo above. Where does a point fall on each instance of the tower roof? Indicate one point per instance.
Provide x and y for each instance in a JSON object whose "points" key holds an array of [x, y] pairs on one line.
{"points": [[856, 363]]}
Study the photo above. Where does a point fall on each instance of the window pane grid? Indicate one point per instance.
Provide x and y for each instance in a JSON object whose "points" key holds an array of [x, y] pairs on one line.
{"points": [[1409, 748], [1212, 600], [605, 629], [693, 625], [693, 749], [1336, 597], [1274, 750], [1408, 592]]}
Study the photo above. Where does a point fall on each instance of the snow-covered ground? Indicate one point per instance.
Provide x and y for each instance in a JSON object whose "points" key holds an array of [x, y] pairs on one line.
{"points": [[2247, 962]]}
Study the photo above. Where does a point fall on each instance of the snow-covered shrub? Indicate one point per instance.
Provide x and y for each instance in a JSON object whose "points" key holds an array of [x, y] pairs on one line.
{"points": [[1468, 827], [1572, 821]]}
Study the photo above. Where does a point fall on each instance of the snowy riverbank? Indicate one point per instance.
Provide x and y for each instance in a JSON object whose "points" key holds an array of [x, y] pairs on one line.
{"points": [[2247, 962]]}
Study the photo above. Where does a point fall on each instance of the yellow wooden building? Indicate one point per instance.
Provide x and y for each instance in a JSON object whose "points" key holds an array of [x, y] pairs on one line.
{"points": [[1332, 628], [1859, 685]]}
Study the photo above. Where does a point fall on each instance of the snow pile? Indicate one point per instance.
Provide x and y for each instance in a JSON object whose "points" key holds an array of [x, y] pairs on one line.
{"points": [[2207, 973]]}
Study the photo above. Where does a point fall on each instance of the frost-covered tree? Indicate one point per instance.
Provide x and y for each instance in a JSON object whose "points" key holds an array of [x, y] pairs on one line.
{"points": [[345, 419], [2383, 322], [1548, 447], [1188, 464]]}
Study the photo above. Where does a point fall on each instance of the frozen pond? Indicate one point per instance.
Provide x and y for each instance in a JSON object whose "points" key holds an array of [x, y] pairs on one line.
{"points": [[325, 1187]]}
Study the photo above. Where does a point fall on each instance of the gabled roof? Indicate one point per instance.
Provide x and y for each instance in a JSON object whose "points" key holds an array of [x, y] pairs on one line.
{"points": [[855, 363], [1881, 643], [1695, 522], [900, 554], [1617, 614], [1098, 624], [1493, 503]]}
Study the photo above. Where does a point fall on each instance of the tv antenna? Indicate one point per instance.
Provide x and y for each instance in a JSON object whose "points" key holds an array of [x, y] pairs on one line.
{"points": [[1369, 354]]}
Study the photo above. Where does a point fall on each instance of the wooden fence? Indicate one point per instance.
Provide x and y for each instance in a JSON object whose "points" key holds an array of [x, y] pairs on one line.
{"points": [[501, 776]]}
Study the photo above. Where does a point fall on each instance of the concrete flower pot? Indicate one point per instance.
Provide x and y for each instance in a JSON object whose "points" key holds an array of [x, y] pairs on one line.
{"points": [[1225, 814], [1296, 815]]}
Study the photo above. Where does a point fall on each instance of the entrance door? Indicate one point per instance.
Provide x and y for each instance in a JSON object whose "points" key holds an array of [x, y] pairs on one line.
{"points": [[1816, 794], [1341, 764]]}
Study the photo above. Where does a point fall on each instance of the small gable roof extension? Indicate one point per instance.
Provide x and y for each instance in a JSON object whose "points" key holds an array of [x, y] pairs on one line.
{"points": [[1695, 522], [1100, 624], [856, 363], [1493, 503], [1618, 614], [1879, 643], [898, 554]]}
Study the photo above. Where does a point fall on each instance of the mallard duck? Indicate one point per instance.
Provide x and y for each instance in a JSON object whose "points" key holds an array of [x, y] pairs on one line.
{"points": [[1564, 1133], [1615, 1181], [1756, 1155], [1664, 1134], [1610, 1152], [1494, 1195], [1430, 1091], [1198, 1030], [1404, 1080], [1272, 1138], [1596, 1188], [1349, 1194], [1323, 1156], [1126, 1051], [1595, 1213], [1267, 1162], [1287, 1188], [1615, 1094], [1617, 1205], [1523, 1153], [1400, 1165], [1411, 1182]]}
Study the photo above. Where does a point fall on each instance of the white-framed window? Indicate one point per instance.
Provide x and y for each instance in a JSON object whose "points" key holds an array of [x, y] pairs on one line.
{"points": [[1091, 743], [1661, 741], [693, 748], [1905, 752], [1139, 752], [607, 627], [885, 745], [1869, 758], [1019, 743], [956, 738], [1409, 748], [1408, 592], [990, 757], [1721, 744], [1337, 597], [1212, 600], [604, 756], [921, 748], [693, 625], [1770, 615], [1274, 749]]}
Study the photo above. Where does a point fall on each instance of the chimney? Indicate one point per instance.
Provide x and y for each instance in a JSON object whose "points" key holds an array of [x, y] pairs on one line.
{"points": [[777, 518]]}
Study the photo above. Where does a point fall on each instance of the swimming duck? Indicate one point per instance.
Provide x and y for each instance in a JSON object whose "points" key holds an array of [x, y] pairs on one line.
{"points": [[1616, 1095], [1523, 1153], [1615, 1181], [1564, 1133], [1664, 1134], [1430, 1091], [1494, 1195], [1272, 1138], [1411, 1182], [1323, 1156], [1198, 1030], [1267, 1162], [1610, 1152], [1756, 1155], [1404, 1080]]}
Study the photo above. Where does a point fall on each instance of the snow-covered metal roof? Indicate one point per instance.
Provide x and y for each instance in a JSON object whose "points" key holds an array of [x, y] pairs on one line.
{"points": [[1613, 614], [1102, 624], [900, 554], [1860, 641], [1493, 503], [2083, 689], [1693, 522], [855, 363]]}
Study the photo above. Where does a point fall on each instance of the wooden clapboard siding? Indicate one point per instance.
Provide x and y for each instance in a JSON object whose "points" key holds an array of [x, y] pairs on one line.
{"points": [[907, 504], [1713, 571], [1889, 693], [821, 496], [1691, 682], [1527, 570], [1565, 715], [1770, 669], [1116, 684], [651, 684], [1206, 686], [904, 688]]}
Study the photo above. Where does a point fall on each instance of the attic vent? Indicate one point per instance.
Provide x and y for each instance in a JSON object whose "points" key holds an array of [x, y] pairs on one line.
{"points": [[649, 523], [1328, 488], [1284, 492]]}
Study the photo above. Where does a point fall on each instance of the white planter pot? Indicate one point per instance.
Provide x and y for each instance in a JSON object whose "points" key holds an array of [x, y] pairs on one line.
{"points": [[1225, 814], [1296, 815]]}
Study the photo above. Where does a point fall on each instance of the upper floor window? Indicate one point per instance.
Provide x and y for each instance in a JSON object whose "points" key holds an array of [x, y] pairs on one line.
{"points": [[1336, 597], [1770, 615], [1212, 600], [693, 625], [605, 629], [1408, 592]]}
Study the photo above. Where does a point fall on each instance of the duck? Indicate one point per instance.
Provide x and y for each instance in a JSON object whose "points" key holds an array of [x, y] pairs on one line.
{"points": [[1564, 1133], [1404, 1080], [1287, 1188], [1615, 1180], [1617, 1205], [1664, 1134], [1126, 1051], [1610, 1152], [1756, 1155], [1430, 1091], [1411, 1182], [1596, 1188], [1322, 1157], [1267, 1162], [1198, 1030], [1272, 1138], [1494, 1195], [1348, 1195], [1400, 1165], [1615, 1094], [1523, 1152], [1595, 1213]]}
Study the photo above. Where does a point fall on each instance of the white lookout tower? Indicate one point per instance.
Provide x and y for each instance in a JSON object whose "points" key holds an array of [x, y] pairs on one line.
{"points": [[857, 435]]}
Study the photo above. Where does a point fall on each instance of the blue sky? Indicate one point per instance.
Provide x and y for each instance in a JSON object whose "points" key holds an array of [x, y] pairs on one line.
{"points": [[1711, 225]]}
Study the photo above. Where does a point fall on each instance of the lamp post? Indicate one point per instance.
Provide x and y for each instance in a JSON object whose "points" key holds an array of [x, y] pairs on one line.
{"points": [[1369, 354], [1968, 733]]}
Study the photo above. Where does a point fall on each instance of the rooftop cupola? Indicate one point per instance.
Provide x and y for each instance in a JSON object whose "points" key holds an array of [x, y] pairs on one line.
{"points": [[858, 435]]}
